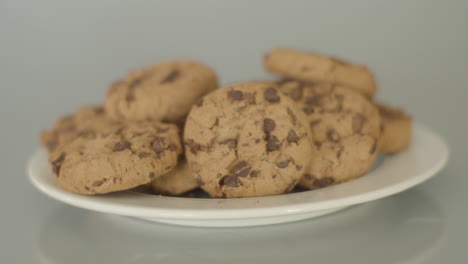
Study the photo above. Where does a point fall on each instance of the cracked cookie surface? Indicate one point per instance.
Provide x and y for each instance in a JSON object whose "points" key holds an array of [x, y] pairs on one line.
{"points": [[247, 140], [345, 128], [164, 91], [116, 157], [66, 128], [313, 67]]}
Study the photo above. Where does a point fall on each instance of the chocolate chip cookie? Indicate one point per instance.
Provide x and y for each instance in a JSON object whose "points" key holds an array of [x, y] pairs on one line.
{"points": [[345, 128], [396, 129], [164, 91], [247, 140], [117, 157], [65, 129], [178, 181], [313, 67]]}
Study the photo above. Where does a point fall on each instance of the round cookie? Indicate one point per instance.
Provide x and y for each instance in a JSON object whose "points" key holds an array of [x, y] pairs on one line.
{"points": [[247, 140], [178, 181], [117, 157], [65, 129], [345, 128], [396, 129], [313, 67], [164, 91]]}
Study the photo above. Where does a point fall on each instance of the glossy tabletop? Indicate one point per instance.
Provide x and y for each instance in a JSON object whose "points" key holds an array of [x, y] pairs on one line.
{"points": [[58, 55]]}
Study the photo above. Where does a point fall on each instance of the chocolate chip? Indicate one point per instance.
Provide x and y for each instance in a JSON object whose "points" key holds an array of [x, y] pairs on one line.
{"points": [[296, 93], [199, 102], [136, 82], [51, 145], [171, 147], [99, 110], [268, 125], [249, 98], [158, 146], [313, 100], [272, 143], [130, 97], [308, 110], [171, 77], [194, 146], [340, 151], [235, 95], [99, 182], [151, 175], [122, 145], [57, 163], [340, 99], [230, 181], [323, 182], [309, 176], [254, 173], [199, 180], [318, 144], [231, 143], [373, 148], [292, 136], [241, 169], [283, 164], [143, 155], [358, 123], [314, 123], [292, 116], [271, 95], [333, 136], [390, 114]]}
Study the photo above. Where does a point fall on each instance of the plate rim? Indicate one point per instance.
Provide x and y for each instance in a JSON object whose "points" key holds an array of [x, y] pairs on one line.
{"points": [[240, 213]]}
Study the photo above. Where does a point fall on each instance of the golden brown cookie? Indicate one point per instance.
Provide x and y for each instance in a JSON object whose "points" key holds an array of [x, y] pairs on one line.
{"points": [[247, 140], [396, 129], [65, 129], [178, 181], [313, 67], [117, 157], [164, 91], [345, 128]]}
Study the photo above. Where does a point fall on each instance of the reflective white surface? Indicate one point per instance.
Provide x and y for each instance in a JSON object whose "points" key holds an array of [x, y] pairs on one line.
{"points": [[356, 235], [58, 55], [424, 158]]}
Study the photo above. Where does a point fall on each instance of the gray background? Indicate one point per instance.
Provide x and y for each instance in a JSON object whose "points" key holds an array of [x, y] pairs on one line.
{"points": [[58, 55]]}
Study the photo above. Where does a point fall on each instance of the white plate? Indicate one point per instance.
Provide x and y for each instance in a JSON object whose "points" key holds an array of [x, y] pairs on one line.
{"points": [[426, 156]]}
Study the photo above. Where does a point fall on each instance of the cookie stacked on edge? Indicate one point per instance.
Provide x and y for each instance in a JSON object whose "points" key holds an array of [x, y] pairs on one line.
{"points": [[316, 127]]}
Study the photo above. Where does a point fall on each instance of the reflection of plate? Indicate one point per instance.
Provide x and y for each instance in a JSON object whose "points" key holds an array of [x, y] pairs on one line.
{"points": [[75, 236], [426, 156]]}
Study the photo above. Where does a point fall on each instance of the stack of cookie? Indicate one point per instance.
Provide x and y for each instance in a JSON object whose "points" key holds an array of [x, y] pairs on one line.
{"points": [[316, 127]]}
